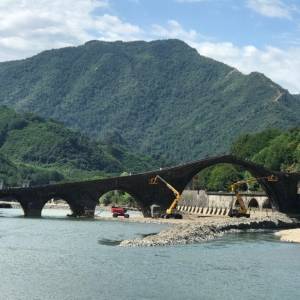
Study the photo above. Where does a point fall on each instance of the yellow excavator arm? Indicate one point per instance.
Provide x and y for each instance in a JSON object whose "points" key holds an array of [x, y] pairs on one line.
{"points": [[235, 189], [174, 204]]}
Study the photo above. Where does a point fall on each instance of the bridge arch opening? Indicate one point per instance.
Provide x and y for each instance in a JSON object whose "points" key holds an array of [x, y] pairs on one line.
{"points": [[56, 207], [253, 203], [118, 198], [11, 207], [218, 177], [211, 185], [267, 204]]}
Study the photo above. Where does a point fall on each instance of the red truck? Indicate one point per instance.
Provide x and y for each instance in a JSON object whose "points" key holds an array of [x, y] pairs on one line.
{"points": [[119, 212]]}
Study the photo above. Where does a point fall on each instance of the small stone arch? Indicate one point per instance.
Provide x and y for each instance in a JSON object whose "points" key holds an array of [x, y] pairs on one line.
{"points": [[118, 193], [253, 203], [57, 201], [267, 204], [13, 199]]}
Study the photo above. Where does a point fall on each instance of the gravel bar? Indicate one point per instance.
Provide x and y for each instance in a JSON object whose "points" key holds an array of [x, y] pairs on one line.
{"points": [[208, 229]]}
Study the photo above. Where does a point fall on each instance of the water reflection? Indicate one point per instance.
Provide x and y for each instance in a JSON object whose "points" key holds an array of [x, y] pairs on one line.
{"points": [[109, 242]]}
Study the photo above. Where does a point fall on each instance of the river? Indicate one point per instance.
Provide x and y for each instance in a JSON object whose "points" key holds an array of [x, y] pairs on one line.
{"points": [[60, 258]]}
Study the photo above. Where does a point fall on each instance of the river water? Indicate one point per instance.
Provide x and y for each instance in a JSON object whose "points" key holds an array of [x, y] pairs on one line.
{"points": [[60, 258]]}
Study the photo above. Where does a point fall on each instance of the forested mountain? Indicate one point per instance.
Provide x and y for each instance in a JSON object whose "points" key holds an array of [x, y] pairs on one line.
{"points": [[162, 98], [42, 151]]}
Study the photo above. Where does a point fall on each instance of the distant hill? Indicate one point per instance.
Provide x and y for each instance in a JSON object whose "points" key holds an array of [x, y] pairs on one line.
{"points": [[275, 149], [162, 98], [43, 151]]}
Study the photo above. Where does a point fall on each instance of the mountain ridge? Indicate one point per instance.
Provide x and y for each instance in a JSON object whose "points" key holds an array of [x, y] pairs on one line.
{"points": [[161, 97]]}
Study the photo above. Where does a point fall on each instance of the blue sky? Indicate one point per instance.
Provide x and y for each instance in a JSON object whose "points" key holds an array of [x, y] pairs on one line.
{"points": [[219, 20], [251, 35]]}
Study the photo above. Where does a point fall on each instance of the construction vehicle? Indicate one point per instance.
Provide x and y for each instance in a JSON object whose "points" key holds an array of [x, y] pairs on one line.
{"points": [[172, 211], [119, 212], [242, 210]]}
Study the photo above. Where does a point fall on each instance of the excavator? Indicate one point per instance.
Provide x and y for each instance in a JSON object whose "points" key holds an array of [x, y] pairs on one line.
{"points": [[172, 211], [242, 210]]}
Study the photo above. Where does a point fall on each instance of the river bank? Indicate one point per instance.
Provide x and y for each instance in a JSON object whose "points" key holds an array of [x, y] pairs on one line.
{"points": [[193, 228], [291, 235], [205, 229]]}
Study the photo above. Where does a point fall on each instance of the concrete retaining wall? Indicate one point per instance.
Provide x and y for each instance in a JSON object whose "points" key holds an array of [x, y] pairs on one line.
{"points": [[220, 212], [253, 201]]}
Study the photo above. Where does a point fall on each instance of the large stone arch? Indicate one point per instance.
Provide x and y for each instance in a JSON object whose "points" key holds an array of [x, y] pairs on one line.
{"points": [[272, 189], [121, 188]]}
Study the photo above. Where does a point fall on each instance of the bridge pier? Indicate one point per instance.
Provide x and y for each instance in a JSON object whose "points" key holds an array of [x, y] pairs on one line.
{"points": [[83, 211], [32, 208], [83, 205], [146, 211], [33, 213]]}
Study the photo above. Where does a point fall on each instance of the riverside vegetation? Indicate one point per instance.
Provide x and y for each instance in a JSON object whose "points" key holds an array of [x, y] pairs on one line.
{"points": [[43, 151], [274, 149]]}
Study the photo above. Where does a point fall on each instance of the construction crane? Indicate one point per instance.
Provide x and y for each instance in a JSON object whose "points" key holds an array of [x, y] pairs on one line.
{"points": [[172, 211], [242, 211]]}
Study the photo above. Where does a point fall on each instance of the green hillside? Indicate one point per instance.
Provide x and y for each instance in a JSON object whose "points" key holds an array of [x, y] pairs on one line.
{"points": [[16, 174], [161, 97], [275, 149], [43, 151]]}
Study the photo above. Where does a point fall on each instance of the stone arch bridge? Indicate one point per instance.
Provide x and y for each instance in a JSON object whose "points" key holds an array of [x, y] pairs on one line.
{"points": [[83, 197]]}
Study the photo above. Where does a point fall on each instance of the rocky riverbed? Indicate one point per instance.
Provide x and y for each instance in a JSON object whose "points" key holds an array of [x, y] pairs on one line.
{"points": [[209, 228]]}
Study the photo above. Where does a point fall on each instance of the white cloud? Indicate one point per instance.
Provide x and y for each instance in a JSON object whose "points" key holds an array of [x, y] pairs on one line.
{"points": [[29, 26], [111, 28], [173, 30], [282, 66], [271, 8]]}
